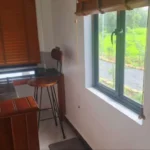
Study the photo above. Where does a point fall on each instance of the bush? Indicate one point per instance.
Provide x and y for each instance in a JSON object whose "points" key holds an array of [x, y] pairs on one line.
{"points": [[134, 94], [135, 46]]}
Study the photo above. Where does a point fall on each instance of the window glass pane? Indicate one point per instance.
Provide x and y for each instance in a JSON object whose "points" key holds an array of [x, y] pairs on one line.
{"points": [[135, 48], [107, 50]]}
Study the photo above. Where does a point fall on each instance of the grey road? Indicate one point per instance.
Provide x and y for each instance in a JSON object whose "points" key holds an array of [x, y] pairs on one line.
{"points": [[133, 77]]}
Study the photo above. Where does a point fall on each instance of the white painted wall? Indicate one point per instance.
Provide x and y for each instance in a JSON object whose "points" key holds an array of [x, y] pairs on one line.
{"points": [[99, 123], [45, 29]]}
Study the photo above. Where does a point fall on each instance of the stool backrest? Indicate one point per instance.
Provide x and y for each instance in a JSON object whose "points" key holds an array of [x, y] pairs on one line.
{"points": [[56, 54]]}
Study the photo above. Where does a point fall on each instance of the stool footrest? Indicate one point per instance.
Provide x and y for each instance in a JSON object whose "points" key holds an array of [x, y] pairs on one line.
{"points": [[44, 109], [46, 119]]}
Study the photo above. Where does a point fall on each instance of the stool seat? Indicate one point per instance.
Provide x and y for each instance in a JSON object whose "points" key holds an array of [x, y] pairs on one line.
{"points": [[42, 82]]}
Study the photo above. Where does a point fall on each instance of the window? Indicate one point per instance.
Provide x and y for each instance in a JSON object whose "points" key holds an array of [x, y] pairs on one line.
{"points": [[119, 54]]}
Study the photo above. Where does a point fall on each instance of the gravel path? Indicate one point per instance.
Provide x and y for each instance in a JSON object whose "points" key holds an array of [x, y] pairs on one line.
{"points": [[133, 77]]}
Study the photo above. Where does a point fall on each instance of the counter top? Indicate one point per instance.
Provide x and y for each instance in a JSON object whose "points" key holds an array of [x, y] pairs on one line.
{"points": [[7, 89]]}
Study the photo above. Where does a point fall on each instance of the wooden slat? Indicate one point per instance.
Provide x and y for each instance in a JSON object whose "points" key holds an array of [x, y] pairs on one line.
{"points": [[13, 27], [22, 104], [6, 141], [16, 106], [32, 102], [16, 62], [18, 124], [19, 130], [32, 131], [31, 30], [2, 60], [6, 108]]}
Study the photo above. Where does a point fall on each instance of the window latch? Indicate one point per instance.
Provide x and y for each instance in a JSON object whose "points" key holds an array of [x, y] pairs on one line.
{"points": [[112, 36], [116, 32]]}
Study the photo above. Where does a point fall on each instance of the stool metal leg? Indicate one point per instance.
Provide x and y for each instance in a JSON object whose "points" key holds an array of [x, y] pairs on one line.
{"points": [[36, 94], [40, 108], [57, 108], [52, 105]]}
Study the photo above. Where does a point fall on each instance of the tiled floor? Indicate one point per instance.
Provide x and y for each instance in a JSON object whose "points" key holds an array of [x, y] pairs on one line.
{"points": [[49, 133]]}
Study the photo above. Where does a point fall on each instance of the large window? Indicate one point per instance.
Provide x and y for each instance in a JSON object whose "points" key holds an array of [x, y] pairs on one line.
{"points": [[119, 54]]}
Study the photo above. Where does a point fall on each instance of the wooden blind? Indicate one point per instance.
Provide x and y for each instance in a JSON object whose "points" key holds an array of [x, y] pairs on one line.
{"points": [[86, 7], [1, 48], [31, 30], [13, 28]]}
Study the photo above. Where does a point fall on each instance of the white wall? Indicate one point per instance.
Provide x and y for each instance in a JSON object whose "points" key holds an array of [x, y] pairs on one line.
{"points": [[100, 124], [45, 29]]}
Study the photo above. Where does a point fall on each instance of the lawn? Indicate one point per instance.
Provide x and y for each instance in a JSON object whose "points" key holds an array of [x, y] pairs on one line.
{"points": [[135, 47], [129, 92]]}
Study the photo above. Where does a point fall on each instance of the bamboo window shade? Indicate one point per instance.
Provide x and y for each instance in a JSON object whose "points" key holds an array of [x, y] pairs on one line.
{"points": [[87, 7]]}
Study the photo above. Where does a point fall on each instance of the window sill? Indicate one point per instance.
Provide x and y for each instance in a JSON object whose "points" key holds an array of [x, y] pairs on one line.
{"points": [[117, 106]]}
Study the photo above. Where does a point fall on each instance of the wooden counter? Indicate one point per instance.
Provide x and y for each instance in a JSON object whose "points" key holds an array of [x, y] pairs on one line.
{"points": [[18, 124]]}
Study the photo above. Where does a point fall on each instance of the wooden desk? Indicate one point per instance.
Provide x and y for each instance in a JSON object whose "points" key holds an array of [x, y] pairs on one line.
{"points": [[61, 90]]}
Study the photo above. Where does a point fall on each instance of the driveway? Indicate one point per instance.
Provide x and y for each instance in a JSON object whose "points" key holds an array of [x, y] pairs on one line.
{"points": [[133, 77]]}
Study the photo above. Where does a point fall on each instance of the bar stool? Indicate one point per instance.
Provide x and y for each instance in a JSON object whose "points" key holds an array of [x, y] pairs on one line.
{"points": [[41, 83]]}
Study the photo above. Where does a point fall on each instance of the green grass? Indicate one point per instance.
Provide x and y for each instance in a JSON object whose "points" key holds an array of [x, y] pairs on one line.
{"points": [[130, 93], [135, 47]]}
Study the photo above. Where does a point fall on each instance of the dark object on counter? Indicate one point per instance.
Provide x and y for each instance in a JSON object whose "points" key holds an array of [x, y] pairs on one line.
{"points": [[18, 124], [42, 72]]}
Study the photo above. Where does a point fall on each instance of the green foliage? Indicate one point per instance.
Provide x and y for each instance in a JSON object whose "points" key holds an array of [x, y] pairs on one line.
{"points": [[135, 47], [129, 92], [135, 44]]}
